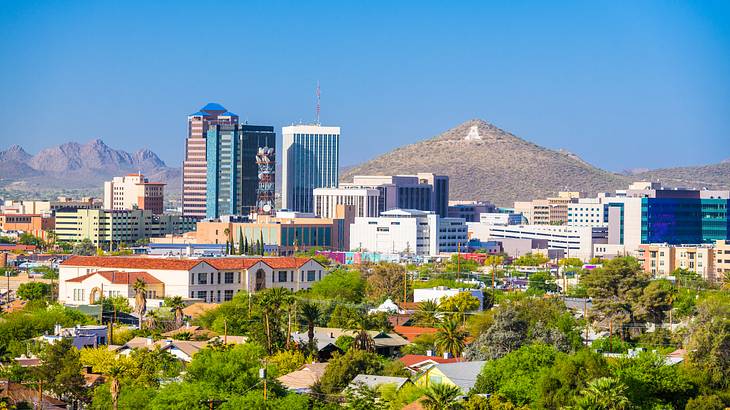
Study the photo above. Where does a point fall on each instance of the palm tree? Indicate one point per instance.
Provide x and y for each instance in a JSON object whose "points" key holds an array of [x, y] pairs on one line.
{"points": [[272, 302], [114, 373], [176, 305], [140, 299], [311, 314], [451, 337], [441, 397], [229, 242], [427, 313], [362, 339], [605, 393]]}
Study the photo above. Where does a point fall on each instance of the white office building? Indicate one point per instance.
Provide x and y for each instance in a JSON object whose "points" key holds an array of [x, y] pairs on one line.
{"points": [[588, 212], [576, 242], [500, 218], [364, 201], [311, 160], [408, 231]]}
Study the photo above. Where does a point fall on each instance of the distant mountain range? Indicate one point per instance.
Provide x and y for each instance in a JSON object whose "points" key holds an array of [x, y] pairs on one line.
{"points": [[487, 163], [72, 167], [483, 161]]}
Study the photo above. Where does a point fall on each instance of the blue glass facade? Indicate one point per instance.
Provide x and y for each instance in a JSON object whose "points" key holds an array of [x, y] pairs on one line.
{"points": [[312, 162], [684, 220], [232, 173]]}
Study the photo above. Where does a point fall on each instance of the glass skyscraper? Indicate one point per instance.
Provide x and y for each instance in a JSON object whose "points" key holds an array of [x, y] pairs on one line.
{"points": [[232, 172], [311, 159]]}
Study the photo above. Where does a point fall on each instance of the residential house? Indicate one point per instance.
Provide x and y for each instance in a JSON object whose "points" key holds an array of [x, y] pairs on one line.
{"points": [[302, 379], [418, 362], [460, 374], [374, 382]]}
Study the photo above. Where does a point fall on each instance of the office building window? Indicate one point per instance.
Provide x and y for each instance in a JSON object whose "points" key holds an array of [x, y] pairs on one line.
{"points": [[201, 294], [227, 295], [229, 277], [310, 276], [282, 276]]}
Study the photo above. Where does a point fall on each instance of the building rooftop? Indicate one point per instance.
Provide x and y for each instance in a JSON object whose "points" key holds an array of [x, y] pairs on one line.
{"points": [[151, 263], [213, 107], [120, 278]]}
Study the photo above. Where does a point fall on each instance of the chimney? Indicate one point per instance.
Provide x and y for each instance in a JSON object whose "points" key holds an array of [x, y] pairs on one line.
{"points": [[447, 355], [429, 352]]}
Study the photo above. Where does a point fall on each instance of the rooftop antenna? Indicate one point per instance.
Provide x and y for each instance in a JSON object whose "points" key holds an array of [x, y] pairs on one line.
{"points": [[317, 102]]}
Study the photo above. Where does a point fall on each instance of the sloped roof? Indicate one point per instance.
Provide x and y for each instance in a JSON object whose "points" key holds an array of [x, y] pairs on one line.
{"points": [[463, 374], [132, 262], [188, 347], [304, 377], [152, 263], [375, 381], [213, 107], [381, 339], [197, 309], [411, 332], [120, 278], [415, 359]]}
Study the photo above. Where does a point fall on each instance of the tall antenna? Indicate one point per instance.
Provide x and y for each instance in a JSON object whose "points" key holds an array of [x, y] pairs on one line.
{"points": [[317, 102]]}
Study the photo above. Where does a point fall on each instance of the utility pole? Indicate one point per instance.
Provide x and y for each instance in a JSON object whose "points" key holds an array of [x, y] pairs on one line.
{"points": [[405, 286], [458, 259], [610, 335], [585, 316], [40, 394]]}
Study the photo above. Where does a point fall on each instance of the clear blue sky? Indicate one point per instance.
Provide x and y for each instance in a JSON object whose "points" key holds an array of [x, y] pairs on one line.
{"points": [[622, 84]]}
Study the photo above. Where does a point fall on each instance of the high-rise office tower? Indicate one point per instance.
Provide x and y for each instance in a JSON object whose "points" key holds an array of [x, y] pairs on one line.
{"points": [[195, 164], [311, 159], [232, 167]]}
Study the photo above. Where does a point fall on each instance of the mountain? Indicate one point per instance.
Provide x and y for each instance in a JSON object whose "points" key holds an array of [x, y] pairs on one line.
{"points": [[713, 176], [488, 163], [82, 167]]}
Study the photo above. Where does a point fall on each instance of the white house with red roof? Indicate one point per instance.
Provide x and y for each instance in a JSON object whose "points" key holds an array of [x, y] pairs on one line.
{"points": [[211, 280]]}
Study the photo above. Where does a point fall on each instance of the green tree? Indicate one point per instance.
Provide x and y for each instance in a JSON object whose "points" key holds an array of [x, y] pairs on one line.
{"points": [[362, 339], [656, 301], [30, 239], [33, 291], [705, 402], [340, 284], [650, 382], [540, 283], [241, 250], [176, 304], [343, 368], [273, 303], [60, 369], [451, 337], [508, 332], [311, 314], [460, 304], [118, 303], [531, 259], [286, 361], [615, 288], [709, 341], [385, 280], [140, 299], [514, 375], [427, 314], [441, 397], [604, 393], [570, 374], [84, 248], [343, 315]]}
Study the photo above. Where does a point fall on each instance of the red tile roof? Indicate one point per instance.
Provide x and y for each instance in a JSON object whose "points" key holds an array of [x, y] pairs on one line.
{"points": [[13, 247], [120, 278], [142, 262], [412, 332], [412, 359], [285, 262], [131, 262]]}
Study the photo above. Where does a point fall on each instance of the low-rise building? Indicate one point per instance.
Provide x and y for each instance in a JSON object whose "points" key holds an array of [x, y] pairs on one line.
{"points": [[500, 218], [408, 231], [722, 260], [470, 211], [49, 207], [212, 280], [35, 224], [283, 234], [439, 293], [363, 200], [663, 259], [103, 227], [576, 242], [134, 191]]}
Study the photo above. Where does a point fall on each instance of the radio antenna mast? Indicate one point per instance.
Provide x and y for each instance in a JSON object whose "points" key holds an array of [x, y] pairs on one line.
{"points": [[317, 102]]}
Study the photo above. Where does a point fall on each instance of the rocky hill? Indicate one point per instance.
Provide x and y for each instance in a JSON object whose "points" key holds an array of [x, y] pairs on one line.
{"points": [[487, 163], [713, 176], [78, 167]]}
